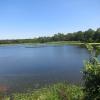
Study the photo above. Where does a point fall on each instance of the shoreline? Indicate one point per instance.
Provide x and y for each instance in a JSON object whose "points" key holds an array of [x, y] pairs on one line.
{"points": [[52, 43]]}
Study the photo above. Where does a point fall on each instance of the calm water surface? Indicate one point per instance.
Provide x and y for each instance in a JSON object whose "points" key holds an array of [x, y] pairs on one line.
{"points": [[22, 67]]}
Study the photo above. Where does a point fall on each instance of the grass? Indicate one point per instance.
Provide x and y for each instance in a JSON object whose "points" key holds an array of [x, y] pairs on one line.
{"points": [[53, 43], [48, 43], [65, 42], [59, 91]]}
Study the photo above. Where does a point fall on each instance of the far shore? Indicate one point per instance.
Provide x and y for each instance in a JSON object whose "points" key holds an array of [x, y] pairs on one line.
{"points": [[51, 43]]}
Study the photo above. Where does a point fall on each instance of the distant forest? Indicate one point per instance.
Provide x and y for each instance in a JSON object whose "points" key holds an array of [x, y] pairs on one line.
{"points": [[89, 35]]}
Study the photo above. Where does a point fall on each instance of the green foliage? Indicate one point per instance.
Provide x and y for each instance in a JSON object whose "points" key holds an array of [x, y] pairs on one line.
{"points": [[56, 92], [91, 75]]}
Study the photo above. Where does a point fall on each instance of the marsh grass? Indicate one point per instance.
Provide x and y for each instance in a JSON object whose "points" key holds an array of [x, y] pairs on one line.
{"points": [[61, 91]]}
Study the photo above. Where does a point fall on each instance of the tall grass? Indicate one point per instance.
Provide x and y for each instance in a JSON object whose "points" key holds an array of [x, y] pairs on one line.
{"points": [[59, 91]]}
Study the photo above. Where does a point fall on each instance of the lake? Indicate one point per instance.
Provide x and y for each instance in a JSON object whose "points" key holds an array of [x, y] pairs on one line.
{"points": [[26, 66]]}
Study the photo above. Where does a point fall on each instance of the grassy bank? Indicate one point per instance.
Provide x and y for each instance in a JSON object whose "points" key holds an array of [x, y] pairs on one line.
{"points": [[65, 42], [59, 91], [57, 42], [52, 43]]}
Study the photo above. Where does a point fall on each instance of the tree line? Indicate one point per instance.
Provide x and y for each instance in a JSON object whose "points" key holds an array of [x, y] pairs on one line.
{"points": [[89, 35]]}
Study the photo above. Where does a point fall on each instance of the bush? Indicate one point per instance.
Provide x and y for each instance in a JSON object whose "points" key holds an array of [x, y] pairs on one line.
{"points": [[91, 75]]}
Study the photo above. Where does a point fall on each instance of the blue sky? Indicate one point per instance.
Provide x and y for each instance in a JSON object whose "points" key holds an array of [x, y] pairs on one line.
{"points": [[33, 18]]}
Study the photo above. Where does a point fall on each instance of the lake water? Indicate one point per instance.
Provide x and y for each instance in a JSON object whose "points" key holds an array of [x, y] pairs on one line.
{"points": [[22, 66]]}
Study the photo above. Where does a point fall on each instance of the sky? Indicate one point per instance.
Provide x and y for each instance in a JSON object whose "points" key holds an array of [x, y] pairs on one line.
{"points": [[34, 18]]}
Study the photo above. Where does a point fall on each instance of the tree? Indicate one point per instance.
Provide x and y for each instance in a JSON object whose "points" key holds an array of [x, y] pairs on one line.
{"points": [[97, 35], [78, 36], [88, 35]]}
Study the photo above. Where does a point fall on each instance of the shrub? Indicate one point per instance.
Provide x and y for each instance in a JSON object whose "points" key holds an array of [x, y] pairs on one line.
{"points": [[91, 75]]}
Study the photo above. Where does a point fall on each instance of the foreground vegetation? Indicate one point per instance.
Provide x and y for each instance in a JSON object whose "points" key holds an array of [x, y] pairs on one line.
{"points": [[61, 91], [91, 74]]}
